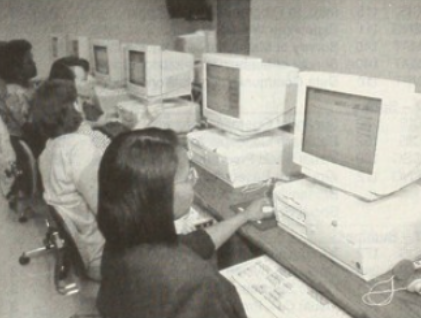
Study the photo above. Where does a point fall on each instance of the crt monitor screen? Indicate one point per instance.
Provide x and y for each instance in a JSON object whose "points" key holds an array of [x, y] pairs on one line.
{"points": [[223, 90], [101, 60], [137, 68], [341, 128]]}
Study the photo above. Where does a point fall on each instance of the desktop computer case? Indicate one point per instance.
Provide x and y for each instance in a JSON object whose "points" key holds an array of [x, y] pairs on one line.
{"points": [[367, 238], [177, 114], [242, 162]]}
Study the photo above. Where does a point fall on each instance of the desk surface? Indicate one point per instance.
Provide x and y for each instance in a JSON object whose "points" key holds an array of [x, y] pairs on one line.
{"points": [[330, 279]]}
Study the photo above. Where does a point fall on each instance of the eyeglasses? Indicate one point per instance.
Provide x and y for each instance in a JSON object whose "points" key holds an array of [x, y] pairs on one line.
{"points": [[191, 178]]}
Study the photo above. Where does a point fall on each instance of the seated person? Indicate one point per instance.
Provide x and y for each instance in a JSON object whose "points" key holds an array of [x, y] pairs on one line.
{"points": [[99, 139], [147, 270], [17, 68], [77, 70], [69, 165], [7, 154]]}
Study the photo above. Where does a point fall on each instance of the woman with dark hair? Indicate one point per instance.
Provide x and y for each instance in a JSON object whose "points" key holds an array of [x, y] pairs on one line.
{"points": [[69, 165], [42, 107], [17, 68], [147, 270]]}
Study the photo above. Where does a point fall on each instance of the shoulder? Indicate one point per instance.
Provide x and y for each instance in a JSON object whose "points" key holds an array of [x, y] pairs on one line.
{"points": [[72, 154], [15, 89], [71, 142], [18, 96], [70, 147], [98, 139], [199, 242]]}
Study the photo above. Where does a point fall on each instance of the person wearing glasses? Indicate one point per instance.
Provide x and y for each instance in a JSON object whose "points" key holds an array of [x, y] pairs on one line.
{"points": [[145, 182]]}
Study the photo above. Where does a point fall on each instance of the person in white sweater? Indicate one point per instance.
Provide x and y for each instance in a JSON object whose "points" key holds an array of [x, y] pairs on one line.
{"points": [[69, 165]]}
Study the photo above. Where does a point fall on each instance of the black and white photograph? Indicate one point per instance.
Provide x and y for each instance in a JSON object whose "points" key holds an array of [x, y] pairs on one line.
{"points": [[210, 158]]}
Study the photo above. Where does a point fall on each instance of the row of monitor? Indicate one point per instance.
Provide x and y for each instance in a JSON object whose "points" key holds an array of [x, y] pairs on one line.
{"points": [[357, 133], [147, 70]]}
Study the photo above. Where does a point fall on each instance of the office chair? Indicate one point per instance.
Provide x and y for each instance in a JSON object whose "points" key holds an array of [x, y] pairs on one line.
{"points": [[60, 241], [26, 186]]}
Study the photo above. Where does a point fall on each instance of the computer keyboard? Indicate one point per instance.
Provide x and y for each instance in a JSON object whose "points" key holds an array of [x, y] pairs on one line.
{"points": [[278, 292]]}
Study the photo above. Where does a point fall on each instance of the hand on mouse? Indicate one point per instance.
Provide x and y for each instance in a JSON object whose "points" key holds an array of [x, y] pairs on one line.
{"points": [[259, 209]]}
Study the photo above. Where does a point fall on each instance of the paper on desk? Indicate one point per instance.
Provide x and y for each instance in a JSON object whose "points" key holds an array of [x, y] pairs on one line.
{"points": [[269, 290]]}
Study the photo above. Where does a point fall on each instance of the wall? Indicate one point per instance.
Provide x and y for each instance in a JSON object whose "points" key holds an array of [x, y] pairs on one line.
{"points": [[143, 21], [233, 26], [380, 38]]}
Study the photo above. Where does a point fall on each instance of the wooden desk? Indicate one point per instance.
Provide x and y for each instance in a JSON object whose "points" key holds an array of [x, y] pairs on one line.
{"points": [[330, 279]]}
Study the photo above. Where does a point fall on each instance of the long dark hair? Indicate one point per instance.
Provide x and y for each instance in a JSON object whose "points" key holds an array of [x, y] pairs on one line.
{"points": [[136, 189]]}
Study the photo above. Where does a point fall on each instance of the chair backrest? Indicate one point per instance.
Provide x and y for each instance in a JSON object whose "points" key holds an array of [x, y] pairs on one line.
{"points": [[27, 179], [72, 254]]}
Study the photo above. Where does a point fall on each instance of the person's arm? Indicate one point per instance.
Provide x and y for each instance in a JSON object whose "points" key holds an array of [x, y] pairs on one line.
{"points": [[85, 165], [87, 185], [222, 231]]}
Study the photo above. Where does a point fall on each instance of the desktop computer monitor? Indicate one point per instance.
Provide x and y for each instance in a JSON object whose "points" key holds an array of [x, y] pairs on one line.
{"points": [[108, 67], [359, 134], [197, 43], [244, 96], [153, 73], [79, 46], [58, 46]]}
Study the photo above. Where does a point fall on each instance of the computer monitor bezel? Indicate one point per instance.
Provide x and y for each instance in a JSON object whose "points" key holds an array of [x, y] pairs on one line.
{"points": [[256, 79], [115, 78], [153, 65], [398, 104]]}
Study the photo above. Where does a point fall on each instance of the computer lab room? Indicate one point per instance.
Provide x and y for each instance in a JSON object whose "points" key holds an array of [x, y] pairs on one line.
{"points": [[210, 158]]}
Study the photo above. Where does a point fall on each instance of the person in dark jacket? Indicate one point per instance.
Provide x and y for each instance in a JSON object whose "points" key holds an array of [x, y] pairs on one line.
{"points": [[147, 269]]}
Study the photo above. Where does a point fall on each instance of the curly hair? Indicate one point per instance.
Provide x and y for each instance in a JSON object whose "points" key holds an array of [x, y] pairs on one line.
{"points": [[52, 109], [17, 66]]}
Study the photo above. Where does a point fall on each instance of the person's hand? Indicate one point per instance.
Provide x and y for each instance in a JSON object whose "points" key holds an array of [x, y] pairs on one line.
{"points": [[104, 119], [259, 209], [184, 226]]}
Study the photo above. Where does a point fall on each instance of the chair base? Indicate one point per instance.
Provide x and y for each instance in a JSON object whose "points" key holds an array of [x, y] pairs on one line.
{"points": [[53, 242], [48, 245]]}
